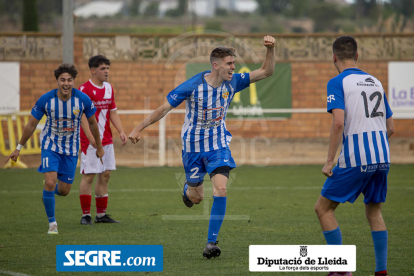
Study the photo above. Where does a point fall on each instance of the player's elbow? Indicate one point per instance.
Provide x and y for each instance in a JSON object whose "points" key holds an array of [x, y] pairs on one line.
{"points": [[390, 131], [338, 125], [268, 73]]}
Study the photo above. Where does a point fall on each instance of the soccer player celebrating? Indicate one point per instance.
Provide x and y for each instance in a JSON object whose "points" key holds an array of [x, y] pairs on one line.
{"points": [[205, 139], [63, 108], [362, 117], [102, 96]]}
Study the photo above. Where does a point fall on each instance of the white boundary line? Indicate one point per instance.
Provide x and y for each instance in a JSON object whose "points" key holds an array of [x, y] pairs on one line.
{"points": [[205, 189], [13, 273]]}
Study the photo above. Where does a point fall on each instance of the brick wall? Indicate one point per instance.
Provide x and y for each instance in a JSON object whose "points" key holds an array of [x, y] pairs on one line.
{"points": [[144, 85]]}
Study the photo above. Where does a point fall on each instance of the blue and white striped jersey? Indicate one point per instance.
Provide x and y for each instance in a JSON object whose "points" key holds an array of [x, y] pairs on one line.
{"points": [[61, 131], [363, 99], [204, 127]]}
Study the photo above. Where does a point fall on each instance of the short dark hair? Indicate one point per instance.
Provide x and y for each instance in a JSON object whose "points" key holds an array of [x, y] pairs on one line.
{"points": [[345, 47], [66, 68], [96, 61], [222, 52]]}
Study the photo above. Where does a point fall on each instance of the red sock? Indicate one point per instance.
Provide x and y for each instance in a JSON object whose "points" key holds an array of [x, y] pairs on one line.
{"points": [[85, 201], [381, 273], [101, 204]]}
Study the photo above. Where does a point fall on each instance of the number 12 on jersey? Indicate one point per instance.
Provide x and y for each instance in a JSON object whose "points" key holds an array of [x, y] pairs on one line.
{"points": [[374, 112]]}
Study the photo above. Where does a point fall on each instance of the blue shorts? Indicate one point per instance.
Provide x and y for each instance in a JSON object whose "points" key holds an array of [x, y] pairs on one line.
{"points": [[64, 165], [346, 184], [197, 164]]}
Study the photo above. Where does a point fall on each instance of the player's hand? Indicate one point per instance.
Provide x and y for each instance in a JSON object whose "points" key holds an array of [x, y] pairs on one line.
{"points": [[135, 136], [269, 41], [327, 169], [123, 137], [13, 156], [99, 153]]}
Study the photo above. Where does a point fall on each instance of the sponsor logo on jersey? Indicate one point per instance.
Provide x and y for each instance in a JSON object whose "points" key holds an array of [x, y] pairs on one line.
{"points": [[94, 92], [331, 98], [369, 80], [242, 75]]}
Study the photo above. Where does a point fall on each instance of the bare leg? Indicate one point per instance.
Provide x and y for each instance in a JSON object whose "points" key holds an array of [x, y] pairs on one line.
{"points": [[325, 209]]}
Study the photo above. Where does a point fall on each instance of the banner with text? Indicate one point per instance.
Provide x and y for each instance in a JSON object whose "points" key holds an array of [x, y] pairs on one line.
{"points": [[10, 87], [270, 93], [401, 89], [302, 258], [109, 258]]}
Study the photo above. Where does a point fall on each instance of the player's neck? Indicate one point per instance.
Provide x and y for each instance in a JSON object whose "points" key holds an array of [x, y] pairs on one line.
{"points": [[341, 66], [96, 82], [64, 97], [214, 79]]}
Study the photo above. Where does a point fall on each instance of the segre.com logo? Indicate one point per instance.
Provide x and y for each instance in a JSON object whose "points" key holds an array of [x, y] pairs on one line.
{"points": [[109, 258]]}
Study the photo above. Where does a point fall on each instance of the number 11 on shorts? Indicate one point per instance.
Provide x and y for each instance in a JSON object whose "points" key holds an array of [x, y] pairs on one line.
{"points": [[46, 162]]}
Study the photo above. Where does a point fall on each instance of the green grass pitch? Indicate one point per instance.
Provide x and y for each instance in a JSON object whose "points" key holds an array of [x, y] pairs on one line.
{"points": [[278, 200]]}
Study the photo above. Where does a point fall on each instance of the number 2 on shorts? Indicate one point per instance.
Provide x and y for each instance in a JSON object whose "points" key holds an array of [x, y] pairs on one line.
{"points": [[195, 170]]}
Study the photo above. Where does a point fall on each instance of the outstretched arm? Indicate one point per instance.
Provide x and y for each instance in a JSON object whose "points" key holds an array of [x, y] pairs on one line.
{"points": [[152, 118], [269, 63], [335, 138], [27, 132]]}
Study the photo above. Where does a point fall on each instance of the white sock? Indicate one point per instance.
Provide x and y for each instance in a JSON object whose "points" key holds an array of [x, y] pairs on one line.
{"points": [[52, 223], [86, 215], [99, 215]]}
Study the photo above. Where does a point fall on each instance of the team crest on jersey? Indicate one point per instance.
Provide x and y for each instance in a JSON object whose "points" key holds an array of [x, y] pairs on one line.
{"points": [[225, 94], [76, 110]]}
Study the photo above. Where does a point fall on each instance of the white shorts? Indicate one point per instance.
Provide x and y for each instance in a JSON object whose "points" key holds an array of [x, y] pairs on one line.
{"points": [[91, 164]]}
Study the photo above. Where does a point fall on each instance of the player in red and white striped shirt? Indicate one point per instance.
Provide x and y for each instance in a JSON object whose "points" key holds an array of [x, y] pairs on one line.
{"points": [[102, 96]]}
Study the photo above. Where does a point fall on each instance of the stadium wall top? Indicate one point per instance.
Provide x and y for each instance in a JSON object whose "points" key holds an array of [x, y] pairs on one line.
{"points": [[191, 46]]}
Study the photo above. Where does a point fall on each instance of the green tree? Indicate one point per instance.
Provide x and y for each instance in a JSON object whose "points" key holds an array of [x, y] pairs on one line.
{"points": [[179, 11], [405, 7], [30, 22], [298, 8], [134, 7], [323, 15], [272, 6], [151, 9], [366, 9], [49, 9]]}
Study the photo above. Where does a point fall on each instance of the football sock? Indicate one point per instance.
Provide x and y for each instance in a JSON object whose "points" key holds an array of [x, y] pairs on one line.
{"points": [[56, 190], [333, 237], [218, 211], [85, 201], [52, 223], [49, 202], [380, 239], [101, 204], [185, 190]]}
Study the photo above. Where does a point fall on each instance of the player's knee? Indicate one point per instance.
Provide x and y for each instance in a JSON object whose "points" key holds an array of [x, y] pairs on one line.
{"points": [[197, 200], [63, 193], [106, 175], [88, 178], [318, 209], [50, 184]]}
